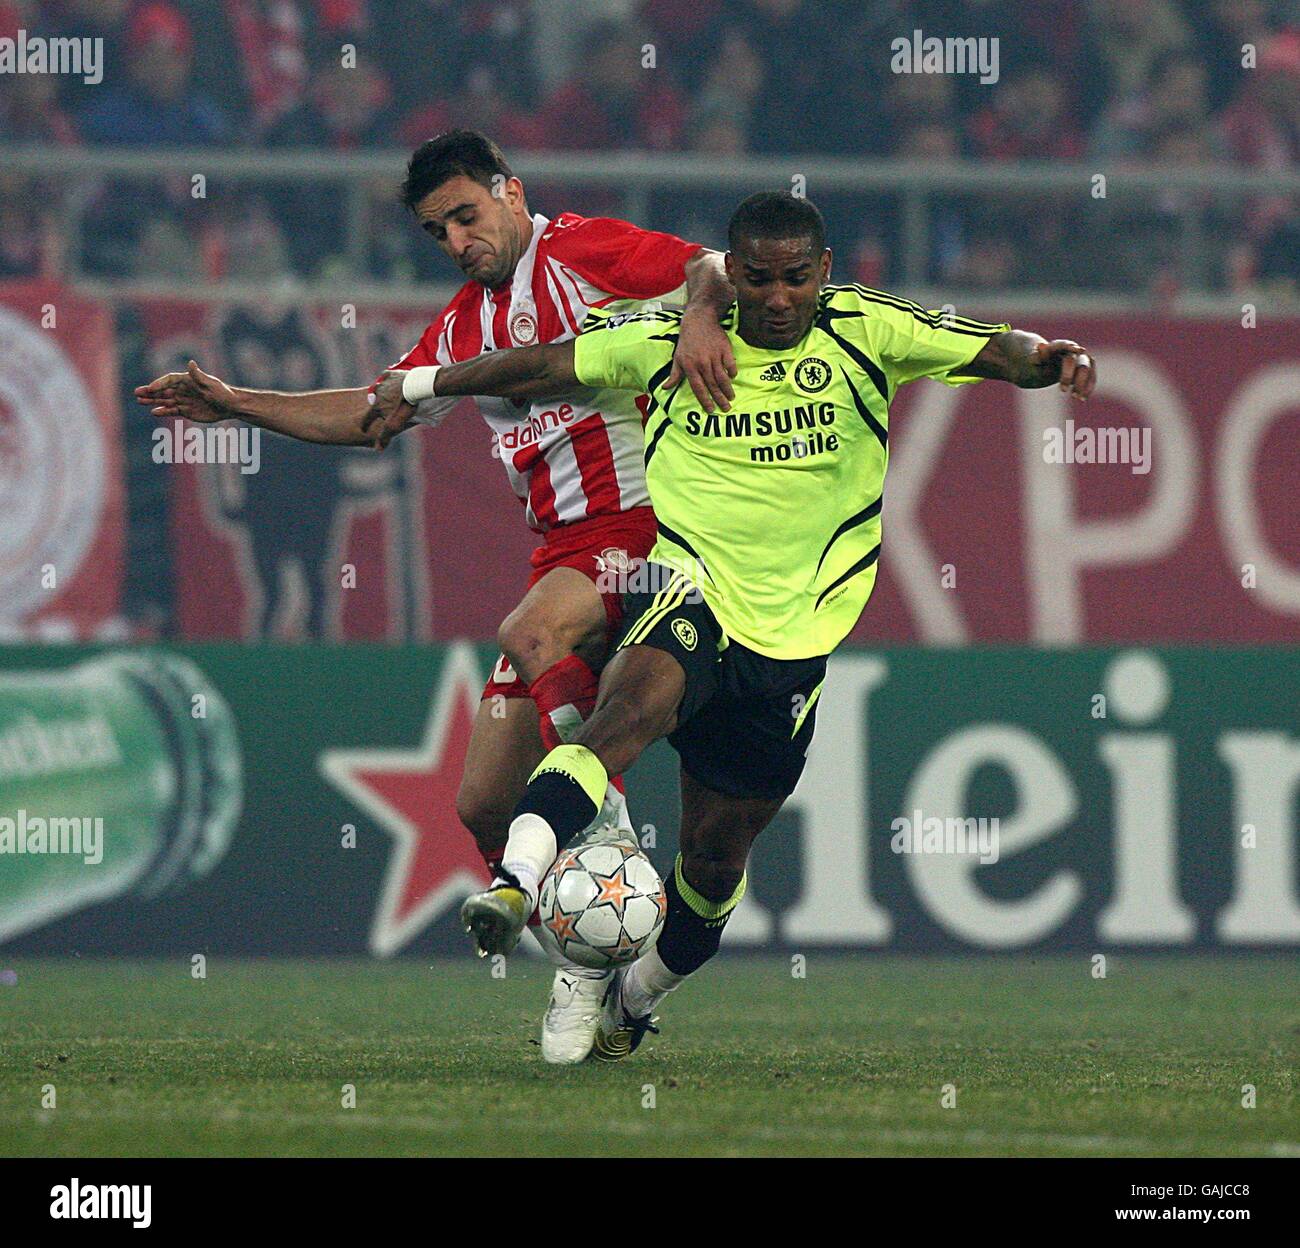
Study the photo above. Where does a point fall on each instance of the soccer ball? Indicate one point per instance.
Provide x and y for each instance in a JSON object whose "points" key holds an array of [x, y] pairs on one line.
{"points": [[601, 905]]}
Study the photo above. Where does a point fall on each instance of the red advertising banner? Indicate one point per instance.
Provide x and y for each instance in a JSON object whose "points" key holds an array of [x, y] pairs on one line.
{"points": [[61, 493], [999, 524], [425, 540], [986, 539]]}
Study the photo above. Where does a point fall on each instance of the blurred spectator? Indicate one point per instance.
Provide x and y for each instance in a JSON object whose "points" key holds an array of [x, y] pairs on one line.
{"points": [[1027, 120], [792, 36], [1157, 83], [728, 94], [684, 34], [481, 104], [166, 250], [255, 245], [989, 262], [1225, 27], [921, 103], [1175, 99], [94, 19], [348, 106], [158, 105], [30, 111], [1262, 124], [22, 230], [717, 132], [132, 225], [1121, 43], [430, 49], [560, 33], [616, 101], [270, 40], [1262, 129], [856, 77]]}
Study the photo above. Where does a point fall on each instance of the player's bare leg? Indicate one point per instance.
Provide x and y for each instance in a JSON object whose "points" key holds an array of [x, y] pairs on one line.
{"points": [[639, 694], [505, 747], [707, 883], [551, 640]]}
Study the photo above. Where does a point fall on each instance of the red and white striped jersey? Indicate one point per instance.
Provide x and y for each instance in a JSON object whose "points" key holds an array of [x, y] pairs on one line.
{"points": [[577, 454]]}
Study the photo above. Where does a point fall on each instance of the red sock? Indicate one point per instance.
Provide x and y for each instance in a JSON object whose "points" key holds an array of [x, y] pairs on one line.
{"points": [[566, 691], [565, 694]]}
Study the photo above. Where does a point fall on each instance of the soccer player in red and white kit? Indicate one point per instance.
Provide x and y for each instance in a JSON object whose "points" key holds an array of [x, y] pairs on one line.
{"points": [[575, 461]]}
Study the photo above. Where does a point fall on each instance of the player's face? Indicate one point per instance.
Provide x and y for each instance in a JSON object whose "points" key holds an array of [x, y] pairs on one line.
{"points": [[777, 282], [482, 232]]}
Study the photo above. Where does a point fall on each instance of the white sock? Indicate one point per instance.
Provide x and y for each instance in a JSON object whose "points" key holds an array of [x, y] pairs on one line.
{"points": [[530, 850], [647, 983]]}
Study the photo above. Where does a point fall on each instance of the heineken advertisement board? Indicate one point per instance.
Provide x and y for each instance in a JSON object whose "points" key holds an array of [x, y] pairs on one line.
{"points": [[238, 800]]}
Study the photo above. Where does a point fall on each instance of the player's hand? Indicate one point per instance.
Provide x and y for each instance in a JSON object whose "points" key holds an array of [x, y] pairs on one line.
{"points": [[193, 395], [705, 359], [389, 413], [1075, 371]]}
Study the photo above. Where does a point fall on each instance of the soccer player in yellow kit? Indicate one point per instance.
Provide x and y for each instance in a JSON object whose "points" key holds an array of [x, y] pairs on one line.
{"points": [[769, 536]]}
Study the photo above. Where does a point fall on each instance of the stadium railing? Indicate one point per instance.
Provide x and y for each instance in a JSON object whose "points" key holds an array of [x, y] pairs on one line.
{"points": [[636, 177]]}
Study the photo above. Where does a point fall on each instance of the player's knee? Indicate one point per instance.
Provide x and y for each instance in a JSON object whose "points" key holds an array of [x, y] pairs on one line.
{"points": [[486, 821], [712, 874], [530, 647]]}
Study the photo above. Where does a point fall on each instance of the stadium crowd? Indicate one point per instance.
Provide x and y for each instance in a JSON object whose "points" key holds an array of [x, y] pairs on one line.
{"points": [[1152, 84]]}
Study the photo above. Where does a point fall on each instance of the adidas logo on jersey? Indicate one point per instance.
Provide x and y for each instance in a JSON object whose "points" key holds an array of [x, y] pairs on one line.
{"points": [[773, 372]]}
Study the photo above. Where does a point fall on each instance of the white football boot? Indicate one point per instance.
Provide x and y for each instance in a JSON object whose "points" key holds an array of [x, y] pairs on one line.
{"points": [[569, 1024], [573, 1012]]}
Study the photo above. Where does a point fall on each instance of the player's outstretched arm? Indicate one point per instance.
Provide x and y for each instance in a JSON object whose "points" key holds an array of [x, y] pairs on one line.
{"points": [[518, 373], [1031, 361], [336, 417]]}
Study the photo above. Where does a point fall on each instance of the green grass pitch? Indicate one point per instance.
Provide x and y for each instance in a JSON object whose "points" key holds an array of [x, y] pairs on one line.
{"points": [[852, 1059]]}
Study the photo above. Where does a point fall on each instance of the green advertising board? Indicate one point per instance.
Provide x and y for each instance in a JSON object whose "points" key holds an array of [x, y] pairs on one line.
{"points": [[300, 800]]}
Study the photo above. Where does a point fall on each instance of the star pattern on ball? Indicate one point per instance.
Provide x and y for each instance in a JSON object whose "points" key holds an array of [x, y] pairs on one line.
{"points": [[626, 947], [614, 889], [563, 927]]}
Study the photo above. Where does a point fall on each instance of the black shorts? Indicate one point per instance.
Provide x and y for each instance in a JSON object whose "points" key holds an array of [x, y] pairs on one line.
{"points": [[745, 720]]}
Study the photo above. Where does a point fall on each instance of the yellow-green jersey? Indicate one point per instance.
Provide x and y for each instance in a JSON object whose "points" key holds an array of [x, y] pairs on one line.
{"points": [[773, 508]]}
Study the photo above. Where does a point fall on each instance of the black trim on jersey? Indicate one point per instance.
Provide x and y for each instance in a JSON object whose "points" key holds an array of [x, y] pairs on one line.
{"points": [[602, 318], [659, 376], [882, 434], [861, 566], [860, 358], [654, 441], [679, 540], [851, 523], [933, 319]]}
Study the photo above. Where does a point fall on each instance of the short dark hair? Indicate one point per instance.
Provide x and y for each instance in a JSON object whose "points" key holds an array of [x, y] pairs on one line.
{"points": [[456, 153], [777, 214]]}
